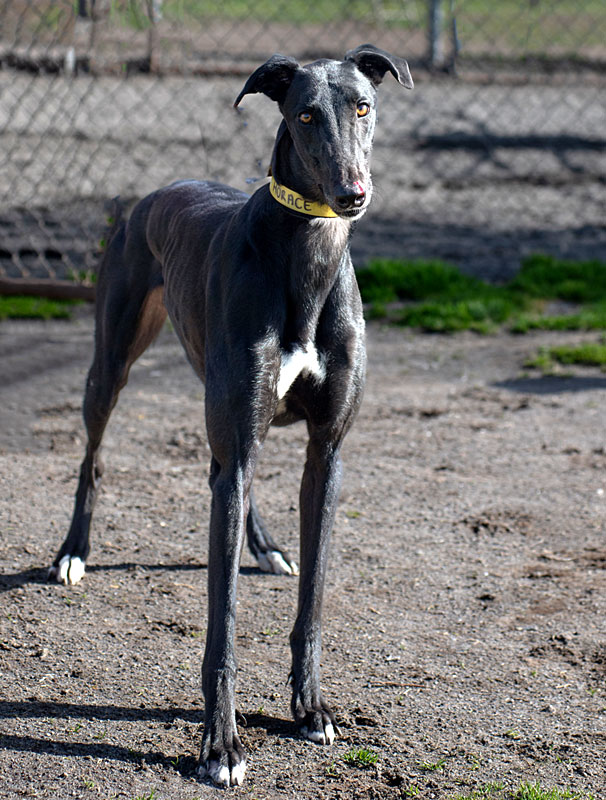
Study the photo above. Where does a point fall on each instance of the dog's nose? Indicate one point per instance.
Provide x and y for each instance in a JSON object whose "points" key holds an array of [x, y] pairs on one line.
{"points": [[354, 198]]}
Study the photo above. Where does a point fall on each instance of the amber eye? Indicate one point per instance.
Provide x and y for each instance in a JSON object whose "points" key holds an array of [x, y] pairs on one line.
{"points": [[362, 109], [305, 117]]}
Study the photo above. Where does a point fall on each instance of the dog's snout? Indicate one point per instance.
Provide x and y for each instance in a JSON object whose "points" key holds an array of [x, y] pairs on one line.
{"points": [[353, 196]]}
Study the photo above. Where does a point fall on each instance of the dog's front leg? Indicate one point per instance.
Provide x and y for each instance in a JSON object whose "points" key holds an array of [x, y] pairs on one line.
{"points": [[222, 756], [319, 494]]}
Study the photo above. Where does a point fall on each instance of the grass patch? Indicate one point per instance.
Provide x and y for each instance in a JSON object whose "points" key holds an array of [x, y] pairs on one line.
{"points": [[480, 314], [292, 12], [525, 791], [510, 27], [573, 281], [587, 354], [360, 757], [18, 307], [433, 766], [438, 297], [589, 318]]}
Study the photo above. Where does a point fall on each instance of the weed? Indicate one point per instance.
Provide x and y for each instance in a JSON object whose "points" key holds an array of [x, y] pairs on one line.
{"points": [[384, 281], [572, 281], [85, 276], [512, 733], [440, 298], [433, 766], [485, 792], [331, 770], [473, 761], [589, 318], [360, 757], [533, 791], [21, 307], [525, 791], [591, 354]]}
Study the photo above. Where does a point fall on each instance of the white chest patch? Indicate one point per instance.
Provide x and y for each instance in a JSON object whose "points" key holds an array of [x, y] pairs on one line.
{"points": [[302, 360]]}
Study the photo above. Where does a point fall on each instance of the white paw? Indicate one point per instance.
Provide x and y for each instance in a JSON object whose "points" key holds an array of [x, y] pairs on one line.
{"points": [[70, 570], [273, 561], [237, 774], [220, 774], [327, 736]]}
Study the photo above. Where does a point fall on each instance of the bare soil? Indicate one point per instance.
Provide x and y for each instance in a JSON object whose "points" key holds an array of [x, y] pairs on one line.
{"points": [[465, 616]]}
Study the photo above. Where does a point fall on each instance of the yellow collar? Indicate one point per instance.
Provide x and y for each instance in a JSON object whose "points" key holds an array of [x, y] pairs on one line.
{"points": [[296, 202]]}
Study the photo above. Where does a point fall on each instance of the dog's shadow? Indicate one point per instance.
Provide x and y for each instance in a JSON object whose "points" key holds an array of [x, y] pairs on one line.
{"points": [[185, 764], [39, 575]]}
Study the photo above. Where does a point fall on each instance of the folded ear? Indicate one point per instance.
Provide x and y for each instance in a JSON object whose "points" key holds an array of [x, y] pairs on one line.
{"points": [[374, 63], [272, 78]]}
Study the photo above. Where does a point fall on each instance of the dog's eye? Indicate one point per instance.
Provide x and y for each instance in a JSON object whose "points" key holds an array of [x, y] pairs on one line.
{"points": [[305, 117], [362, 109]]}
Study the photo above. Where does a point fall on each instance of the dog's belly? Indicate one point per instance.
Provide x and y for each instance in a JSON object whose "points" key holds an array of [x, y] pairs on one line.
{"points": [[301, 360]]}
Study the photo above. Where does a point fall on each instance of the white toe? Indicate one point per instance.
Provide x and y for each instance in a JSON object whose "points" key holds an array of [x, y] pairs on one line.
{"points": [[218, 774], [273, 561], [70, 571], [237, 774], [327, 736]]}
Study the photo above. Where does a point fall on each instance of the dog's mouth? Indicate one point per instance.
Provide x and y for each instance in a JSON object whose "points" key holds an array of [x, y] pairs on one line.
{"points": [[352, 213]]}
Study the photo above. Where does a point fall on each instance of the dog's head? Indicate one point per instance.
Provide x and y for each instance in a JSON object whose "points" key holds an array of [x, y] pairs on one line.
{"points": [[329, 110]]}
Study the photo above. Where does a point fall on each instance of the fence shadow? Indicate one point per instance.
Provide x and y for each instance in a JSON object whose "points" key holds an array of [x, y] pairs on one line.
{"points": [[550, 384]]}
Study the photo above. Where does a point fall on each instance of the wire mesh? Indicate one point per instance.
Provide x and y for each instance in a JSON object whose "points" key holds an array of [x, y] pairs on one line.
{"points": [[500, 149]]}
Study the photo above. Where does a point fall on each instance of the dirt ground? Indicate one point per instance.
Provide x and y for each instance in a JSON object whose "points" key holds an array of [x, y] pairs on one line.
{"points": [[465, 616]]}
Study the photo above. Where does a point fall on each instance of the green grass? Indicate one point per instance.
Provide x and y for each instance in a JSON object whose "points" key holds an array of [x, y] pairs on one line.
{"points": [[572, 281], [588, 318], [522, 28], [438, 297], [433, 766], [525, 791], [360, 757], [294, 12], [511, 27], [588, 354], [34, 308]]}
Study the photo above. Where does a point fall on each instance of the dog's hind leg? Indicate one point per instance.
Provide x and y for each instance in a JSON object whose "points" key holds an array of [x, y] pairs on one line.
{"points": [[270, 557], [129, 315]]}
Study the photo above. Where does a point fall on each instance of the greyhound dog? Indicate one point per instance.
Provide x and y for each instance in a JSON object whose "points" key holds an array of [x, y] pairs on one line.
{"points": [[262, 294]]}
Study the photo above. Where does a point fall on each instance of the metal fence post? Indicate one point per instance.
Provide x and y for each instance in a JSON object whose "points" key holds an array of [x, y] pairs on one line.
{"points": [[435, 54]]}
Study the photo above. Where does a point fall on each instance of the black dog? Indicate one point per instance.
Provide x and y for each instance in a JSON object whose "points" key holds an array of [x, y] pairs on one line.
{"points": [[262, 294]]}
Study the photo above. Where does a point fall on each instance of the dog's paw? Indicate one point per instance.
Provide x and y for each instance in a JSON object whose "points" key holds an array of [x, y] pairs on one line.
{"points": [[319, 728], [314, 718], [277, 563], [222, 775], [225, 766], [69, 571]]}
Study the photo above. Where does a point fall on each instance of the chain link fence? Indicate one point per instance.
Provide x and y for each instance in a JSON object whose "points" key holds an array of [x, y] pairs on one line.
{"points": [[499, 151]]}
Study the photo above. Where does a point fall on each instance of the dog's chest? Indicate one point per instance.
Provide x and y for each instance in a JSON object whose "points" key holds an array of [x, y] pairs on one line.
{"points": [[302, 360]]}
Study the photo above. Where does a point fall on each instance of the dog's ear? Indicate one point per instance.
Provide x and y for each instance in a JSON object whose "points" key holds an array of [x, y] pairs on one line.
{"points": [[272, 78], [374, 63]]}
